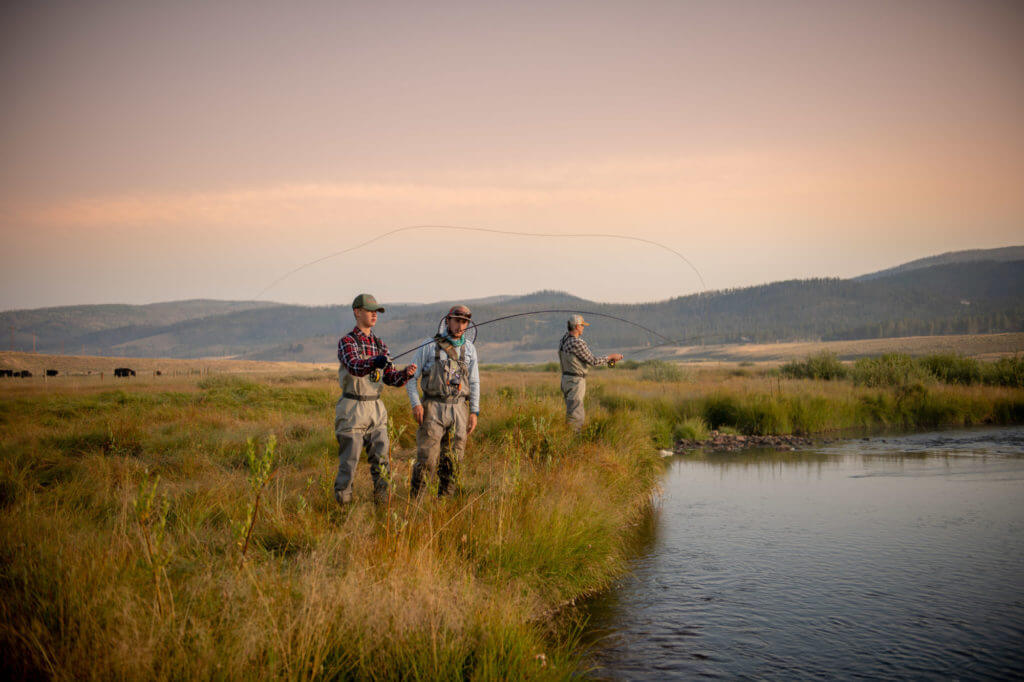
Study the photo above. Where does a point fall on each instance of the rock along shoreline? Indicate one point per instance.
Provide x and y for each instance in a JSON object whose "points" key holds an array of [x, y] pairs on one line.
{"points": [[725, 442]]}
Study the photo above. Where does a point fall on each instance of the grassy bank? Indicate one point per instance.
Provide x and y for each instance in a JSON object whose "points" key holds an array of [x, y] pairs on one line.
{"points": [[687, 404], [108, 571]]}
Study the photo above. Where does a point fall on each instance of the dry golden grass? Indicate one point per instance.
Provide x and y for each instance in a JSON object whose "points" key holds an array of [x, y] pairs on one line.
{"points": [[475, 586], [461, 587]]}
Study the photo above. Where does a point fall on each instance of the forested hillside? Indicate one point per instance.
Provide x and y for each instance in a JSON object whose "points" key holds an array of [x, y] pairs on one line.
{"points": [[951, 298]]}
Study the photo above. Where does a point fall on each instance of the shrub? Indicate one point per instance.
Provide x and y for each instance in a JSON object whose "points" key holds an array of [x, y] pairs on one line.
{"points": [[1005, 372], [810, 414], [694, 428], [824, 365], [952, 369], [662, 434], [892, 369], [721, 410], [661, 371], [763, 415]]}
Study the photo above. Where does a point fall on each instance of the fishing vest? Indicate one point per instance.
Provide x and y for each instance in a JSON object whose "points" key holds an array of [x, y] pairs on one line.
{"points": [[571, 363], [364, 388], [448, 378]]}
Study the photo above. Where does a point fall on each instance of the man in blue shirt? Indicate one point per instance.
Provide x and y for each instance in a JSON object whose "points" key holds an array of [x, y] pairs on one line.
{"points": [[447, 368]]}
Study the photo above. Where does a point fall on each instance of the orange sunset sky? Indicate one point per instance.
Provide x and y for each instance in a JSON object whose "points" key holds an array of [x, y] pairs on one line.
{"points": [[169, 150]]}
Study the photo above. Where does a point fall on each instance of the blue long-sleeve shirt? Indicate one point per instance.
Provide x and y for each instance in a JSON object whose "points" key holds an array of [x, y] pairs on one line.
{"points": [[424, 358]]}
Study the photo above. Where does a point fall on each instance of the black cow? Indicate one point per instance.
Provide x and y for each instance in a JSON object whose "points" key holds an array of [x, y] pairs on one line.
{"points": [[124, 372], [6, 372], [24, 374], [51, 372]]}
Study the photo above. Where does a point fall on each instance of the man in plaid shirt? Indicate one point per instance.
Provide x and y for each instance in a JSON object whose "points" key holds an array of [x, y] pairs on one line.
{"points": [[575, 357], [360, 418]]}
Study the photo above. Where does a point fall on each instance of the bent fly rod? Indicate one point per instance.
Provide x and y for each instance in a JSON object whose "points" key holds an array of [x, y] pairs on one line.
{"points": [[474, 325]]}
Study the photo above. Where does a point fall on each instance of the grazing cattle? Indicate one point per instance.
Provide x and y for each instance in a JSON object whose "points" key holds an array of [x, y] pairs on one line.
{"points": [[24, 374], [51, 372], [124, 372], [6, 372], [159, 373]]}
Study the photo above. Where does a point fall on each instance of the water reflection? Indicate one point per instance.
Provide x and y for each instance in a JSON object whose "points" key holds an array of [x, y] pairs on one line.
{"points": [[901, 558]]}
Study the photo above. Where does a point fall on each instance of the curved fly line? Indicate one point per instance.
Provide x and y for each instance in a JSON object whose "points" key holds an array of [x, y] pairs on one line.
{"points": [[666, 341]]}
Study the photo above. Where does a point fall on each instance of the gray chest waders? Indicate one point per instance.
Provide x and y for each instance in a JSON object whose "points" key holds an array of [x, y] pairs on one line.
{"points": [[448, 379], [570, 362], [445, 384]]}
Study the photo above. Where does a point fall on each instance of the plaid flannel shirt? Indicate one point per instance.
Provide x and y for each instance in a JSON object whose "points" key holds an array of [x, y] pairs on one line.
{"points": [[356, 351], [578, 347]]}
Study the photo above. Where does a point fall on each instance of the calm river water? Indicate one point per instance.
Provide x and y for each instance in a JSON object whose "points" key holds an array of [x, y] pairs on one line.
{"points": [[893, 557]]}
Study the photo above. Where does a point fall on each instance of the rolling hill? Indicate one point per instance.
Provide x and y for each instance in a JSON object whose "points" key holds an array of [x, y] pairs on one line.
{"points": [[948, 294]]}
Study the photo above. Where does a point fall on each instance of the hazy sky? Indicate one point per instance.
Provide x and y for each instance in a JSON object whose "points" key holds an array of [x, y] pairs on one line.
{"points": [[165, 150]]}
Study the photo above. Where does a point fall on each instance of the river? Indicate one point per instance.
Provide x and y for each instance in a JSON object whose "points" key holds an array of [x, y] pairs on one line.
{"points": [[893, 557]]}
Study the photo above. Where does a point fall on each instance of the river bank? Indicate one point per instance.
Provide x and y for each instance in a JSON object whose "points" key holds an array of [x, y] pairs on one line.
{"points": [[123, 515]]}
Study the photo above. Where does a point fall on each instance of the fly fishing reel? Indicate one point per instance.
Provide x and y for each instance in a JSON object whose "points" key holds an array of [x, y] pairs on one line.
{"points": [[377, 374]]}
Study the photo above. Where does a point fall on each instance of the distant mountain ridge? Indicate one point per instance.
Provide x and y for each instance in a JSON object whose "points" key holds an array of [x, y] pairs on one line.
{"points": [[1001, 255], [955, 294]]}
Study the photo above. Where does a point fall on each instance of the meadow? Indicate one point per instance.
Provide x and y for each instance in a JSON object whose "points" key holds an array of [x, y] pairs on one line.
{"points": [[178, 527]]}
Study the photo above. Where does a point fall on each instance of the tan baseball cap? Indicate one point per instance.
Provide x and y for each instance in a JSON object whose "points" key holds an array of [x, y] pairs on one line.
{"points": [[367, 302], [575, 321], [460, 312]]}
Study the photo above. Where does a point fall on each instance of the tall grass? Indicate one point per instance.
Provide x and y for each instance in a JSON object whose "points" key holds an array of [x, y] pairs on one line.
{"points": [[764, 405], [898, 369], [107, 571]]}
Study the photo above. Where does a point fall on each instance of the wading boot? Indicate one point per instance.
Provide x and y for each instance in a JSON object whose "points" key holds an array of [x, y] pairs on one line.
{"points": [[445, 476], [417, 481], [381, 493]]}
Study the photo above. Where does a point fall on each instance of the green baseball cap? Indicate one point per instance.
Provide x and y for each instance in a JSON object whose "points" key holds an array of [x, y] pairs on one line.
{"points": [[367, 302]]}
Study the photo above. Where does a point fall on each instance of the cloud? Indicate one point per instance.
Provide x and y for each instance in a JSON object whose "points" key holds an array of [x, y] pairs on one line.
{"points": [[730, 186]]}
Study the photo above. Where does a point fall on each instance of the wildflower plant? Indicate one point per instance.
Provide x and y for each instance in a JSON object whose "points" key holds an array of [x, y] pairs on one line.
{"points": [[261, 469]]}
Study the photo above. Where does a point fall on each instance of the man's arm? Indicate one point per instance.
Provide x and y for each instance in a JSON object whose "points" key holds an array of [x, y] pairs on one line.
{"points": [[350, 357], [474, 383], [474, 392], [580, 349], [412, 387], [392, 376]]}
